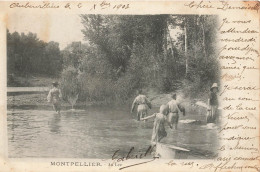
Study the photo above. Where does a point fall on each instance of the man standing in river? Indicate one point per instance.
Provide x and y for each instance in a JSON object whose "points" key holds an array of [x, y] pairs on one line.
{"points": [[54, 97], [142, 103], [174, 108], [212, 114]]}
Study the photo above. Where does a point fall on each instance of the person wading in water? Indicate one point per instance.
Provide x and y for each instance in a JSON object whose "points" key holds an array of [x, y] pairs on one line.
{"points": [[142, 103], [174, 108], [212, 114], [159, 124], [55, 96]]}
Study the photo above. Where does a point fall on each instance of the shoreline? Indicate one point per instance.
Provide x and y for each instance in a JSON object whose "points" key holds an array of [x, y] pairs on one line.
{"points": [[39, 101]]}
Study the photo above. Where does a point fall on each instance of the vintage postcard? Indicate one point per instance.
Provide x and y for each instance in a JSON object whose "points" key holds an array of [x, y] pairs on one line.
{"points": [[129, 86]]}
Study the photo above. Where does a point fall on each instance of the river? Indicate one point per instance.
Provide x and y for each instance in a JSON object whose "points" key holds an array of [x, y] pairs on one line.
{"points": [[97, 133]]}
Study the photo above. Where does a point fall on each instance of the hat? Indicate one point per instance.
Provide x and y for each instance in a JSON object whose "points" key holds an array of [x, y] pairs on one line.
{"points": [[174, 95], [215, 85], [139, 91], [55, 83]]}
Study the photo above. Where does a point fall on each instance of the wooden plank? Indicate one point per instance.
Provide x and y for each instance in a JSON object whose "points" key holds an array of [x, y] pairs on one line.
{"points": [[174, 147], [168, 151]]}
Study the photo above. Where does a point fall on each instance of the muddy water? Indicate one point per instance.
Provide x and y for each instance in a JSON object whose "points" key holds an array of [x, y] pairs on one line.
{"points": [[98, 132]]}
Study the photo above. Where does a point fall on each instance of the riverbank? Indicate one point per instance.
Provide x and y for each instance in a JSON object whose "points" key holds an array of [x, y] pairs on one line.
{"points": [[39, 101]]}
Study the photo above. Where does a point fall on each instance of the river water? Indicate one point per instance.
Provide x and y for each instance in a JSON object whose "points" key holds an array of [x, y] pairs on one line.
{"points": [[98, 132]]}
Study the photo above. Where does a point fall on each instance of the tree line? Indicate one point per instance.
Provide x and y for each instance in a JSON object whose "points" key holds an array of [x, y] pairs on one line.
{"points": [[129, 52], [27, 55], [124, 53]]}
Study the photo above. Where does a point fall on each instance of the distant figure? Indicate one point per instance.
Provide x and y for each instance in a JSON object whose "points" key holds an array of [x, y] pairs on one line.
{"points": [[174, 108], [142, 103], [54, 97], [212, 104], [158, 127]]}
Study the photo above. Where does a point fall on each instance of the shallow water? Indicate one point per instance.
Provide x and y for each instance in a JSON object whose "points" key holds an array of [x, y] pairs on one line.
{"points": [[98, 133]]}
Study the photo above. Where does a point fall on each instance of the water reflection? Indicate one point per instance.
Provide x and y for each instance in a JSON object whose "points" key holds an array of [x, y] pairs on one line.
{"points": [[54, 123]]}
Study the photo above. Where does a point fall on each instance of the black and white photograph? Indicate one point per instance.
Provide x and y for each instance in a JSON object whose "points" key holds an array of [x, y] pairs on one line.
{"points": [[95, 86]]}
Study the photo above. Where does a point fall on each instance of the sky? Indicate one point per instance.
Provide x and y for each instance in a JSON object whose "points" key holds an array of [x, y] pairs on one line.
{"points": [[62, 28]]}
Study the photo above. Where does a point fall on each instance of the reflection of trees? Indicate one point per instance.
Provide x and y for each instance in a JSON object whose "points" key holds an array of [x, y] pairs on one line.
{"points": [[13, 125]]}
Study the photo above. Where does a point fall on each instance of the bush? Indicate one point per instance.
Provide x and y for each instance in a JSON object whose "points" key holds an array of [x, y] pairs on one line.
{"points": [[95, 88], [70, 85]]}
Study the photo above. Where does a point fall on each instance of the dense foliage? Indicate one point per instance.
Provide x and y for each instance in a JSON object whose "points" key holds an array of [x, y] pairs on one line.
{"points": [[27, 55], [124, 53]]}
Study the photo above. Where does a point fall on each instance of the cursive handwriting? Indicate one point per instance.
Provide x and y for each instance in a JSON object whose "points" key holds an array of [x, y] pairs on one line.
{"points": [[236, 116], [223, 6], [96, 6], [244, 148], [235, 127], [227, 87], [131, 155], [201, 4], [247, 49], [227, 166], [30, 5]]}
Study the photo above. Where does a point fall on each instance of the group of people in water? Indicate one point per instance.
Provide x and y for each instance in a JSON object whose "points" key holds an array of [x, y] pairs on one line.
{"points": [[168, 113]]}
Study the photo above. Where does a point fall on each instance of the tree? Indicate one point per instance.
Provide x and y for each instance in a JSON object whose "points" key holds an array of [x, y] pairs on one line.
{"points": [[27, 55], [70, 86], [53, 58], [141, 52]]}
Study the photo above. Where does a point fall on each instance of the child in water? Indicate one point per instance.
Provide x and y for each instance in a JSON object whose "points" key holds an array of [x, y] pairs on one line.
{"points": [[158, 127], [54, 97]]}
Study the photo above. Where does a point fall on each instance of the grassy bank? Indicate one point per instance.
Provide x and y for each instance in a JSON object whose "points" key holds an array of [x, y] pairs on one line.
{"points": [[40, 99]]}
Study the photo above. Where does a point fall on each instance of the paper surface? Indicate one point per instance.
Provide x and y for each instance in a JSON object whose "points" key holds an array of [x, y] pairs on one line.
{"points": [[237, 52]]}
